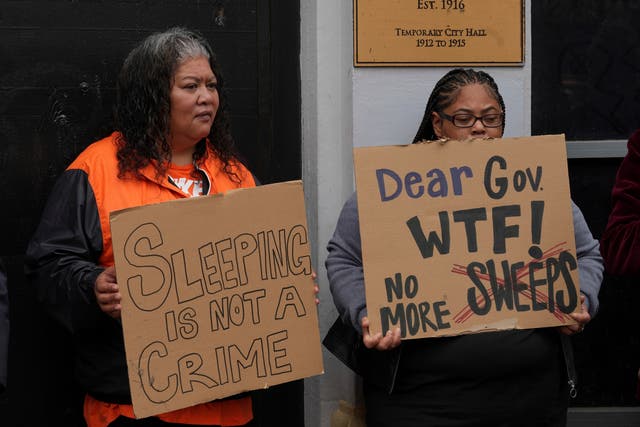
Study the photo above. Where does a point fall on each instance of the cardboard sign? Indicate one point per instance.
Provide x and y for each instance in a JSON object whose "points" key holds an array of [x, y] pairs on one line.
{"points": [[217, 296], [438, 32], [462, 237]]}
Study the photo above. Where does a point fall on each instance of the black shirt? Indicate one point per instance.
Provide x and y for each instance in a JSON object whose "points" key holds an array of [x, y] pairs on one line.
{"points": [[507, 378]]}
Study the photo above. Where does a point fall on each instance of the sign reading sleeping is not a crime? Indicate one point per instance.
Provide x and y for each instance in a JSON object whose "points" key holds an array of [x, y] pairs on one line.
{"points": [[217, 296], [467, 236]]}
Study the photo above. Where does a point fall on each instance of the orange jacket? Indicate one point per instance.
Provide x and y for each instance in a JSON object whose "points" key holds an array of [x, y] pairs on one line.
{"points": [[70, 248]]}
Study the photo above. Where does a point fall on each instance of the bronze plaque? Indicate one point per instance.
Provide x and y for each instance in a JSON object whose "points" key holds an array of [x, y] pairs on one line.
{"points": [[438, 32]]}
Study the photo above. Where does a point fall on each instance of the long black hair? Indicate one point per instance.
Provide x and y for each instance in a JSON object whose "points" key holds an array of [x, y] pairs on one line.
{"points": [[445, 93], [143, 105]]}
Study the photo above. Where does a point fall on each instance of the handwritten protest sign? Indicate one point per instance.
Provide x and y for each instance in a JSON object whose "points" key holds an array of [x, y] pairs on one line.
{"points": [[217, 296], [467, 236]]}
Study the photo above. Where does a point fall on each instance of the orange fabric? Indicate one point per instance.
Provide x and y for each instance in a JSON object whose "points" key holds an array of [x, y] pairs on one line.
{"points": [[235, 412], [112, 193], [183, 179], [100, 163]]}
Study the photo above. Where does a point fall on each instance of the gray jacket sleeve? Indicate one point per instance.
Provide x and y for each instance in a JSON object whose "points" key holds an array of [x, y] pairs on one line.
{"points": [[344, 266], [590, 263]]}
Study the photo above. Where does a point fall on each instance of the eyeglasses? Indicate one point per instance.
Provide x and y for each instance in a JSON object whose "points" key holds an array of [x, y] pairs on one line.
{"points": [[492, 120]]}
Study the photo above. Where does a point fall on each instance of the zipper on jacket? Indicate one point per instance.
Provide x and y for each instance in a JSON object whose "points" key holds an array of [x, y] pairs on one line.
{"points": [[572, 377]]}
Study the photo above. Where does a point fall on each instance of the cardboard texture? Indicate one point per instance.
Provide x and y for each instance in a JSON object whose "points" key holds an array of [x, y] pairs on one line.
{"points": [[467, 236], [217, 296], [438, 32]]}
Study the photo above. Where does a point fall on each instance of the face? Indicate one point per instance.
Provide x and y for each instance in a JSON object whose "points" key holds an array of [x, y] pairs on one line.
{"points": [[472, 99], [194, 103]]}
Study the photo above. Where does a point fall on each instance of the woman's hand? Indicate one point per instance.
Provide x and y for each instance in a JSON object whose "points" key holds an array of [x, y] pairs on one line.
{"points": [[316, 289], [377, 341], [583, 317], [108, 292]]}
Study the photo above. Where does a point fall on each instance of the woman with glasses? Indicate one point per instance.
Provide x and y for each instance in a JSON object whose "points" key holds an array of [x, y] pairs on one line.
{"points": [[464, 104], [505, 378]]}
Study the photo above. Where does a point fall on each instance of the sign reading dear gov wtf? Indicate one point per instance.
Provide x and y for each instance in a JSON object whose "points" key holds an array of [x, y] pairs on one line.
{"points": [[217, 296], [467, 236]]}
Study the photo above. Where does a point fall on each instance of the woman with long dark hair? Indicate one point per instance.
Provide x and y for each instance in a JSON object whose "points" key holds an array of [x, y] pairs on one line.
{"points": [[172, 141]]}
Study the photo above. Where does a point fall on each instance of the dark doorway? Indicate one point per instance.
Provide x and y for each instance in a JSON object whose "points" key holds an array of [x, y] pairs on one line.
{"points": [[58, 64], [585, 68], [586, 84]]}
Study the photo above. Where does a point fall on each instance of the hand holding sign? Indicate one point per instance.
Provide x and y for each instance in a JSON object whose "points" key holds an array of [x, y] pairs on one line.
{"points": [[582, 318], [482, 241], [389, 341], [107, 292], [211, 309], [316, 289]]}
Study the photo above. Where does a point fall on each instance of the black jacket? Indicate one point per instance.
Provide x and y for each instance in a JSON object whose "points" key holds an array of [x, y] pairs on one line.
{"points": [[4, 327]]}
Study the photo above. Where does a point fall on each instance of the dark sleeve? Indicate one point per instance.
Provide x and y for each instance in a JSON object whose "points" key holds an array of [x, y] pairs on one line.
{"points": [[4, 327], [620, 242], [61, 259], [344, 266]]}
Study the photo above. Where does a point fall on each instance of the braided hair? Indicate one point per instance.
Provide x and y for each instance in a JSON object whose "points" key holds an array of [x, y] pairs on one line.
{"points": [[445, 93]]}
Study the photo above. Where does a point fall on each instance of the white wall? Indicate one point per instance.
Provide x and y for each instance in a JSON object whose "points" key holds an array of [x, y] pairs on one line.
{"points": [[345, 107], [388, 103], [327, 125]]}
